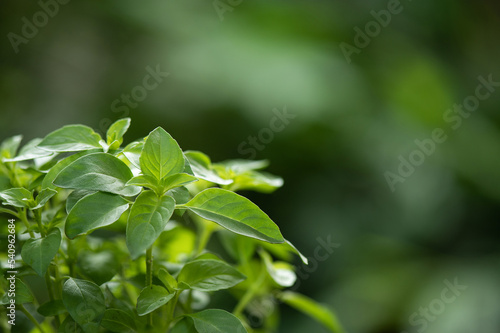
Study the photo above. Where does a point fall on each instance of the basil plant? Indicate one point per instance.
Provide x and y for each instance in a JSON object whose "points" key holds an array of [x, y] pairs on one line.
{"points": [[113, 238]]}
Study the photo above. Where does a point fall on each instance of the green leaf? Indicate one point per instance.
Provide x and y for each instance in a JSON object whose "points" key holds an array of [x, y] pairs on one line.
{"points": [[241, 166], [71, 138], [116, 132], [281, 272], [151, 298], [147, 219], [202, 168], [8, 211], [146, 181], [235, 213], [74, 197], [177, 243], [245, 176], [312, 309], [84, 301], [30, 151], [4, 183], [94, 211], [284, 251], [209, 275], [161, 155], [52, 308], [9, 147], [257, 181], [23, 294], [208, 255], [17, 197], [167, 279], [38, 253], [43, 197], [133, 152], [69, 326], [177, 180], [293, 249], [186, 325], [100, 267], [180, 194], [238, 247], [98, 172], [216, 321], [118, 321], [54, 171]]}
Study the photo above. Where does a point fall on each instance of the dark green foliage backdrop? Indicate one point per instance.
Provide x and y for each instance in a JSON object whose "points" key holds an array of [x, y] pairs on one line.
{"points": [[352, 122]]}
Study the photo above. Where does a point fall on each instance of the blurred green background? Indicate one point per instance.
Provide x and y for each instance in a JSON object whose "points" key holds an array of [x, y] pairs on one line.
{"points": [[231, 63]]}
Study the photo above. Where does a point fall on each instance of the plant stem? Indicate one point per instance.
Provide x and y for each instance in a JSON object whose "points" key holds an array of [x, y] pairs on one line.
{"points": [[171, 310], [49, 286], [149, 266], [149, 276], [30, 317], [189, 301], [38, 217], [57, 276], [70, 261], [8, 211], [250, 294], [24, 219], [204, 238], [13, 174], [50, 289]]}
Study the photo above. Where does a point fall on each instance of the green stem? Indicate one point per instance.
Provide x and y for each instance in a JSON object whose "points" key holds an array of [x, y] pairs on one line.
{"points": [[13, 174], [38, 217], [149, 276], [184, 308], [63, 255], [203, 240], [4, 170], [171, 310], [57, 276], [30, 317], [8, 211], [50, 289], [250, 294], [70, 260], [149, 266], [24, 219], [174, 303], [189, 301]]}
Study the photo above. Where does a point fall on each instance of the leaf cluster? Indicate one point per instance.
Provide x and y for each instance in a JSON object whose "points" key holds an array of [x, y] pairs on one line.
{"points": [[122, 236]]}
